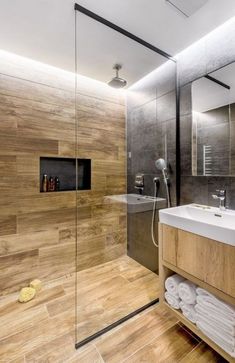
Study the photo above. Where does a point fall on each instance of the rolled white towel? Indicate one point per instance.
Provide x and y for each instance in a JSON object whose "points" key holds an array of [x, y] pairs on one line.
{"points": [[187, 292], [172, 284], [172, 300], [221, 321], [188, 311], [220, 341]]}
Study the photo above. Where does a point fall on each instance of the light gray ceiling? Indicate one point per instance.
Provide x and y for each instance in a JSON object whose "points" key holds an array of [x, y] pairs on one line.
{"points": [[44, 30]]}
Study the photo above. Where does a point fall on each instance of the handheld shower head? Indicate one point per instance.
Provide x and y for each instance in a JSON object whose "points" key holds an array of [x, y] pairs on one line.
{"points": [[160, 164]]}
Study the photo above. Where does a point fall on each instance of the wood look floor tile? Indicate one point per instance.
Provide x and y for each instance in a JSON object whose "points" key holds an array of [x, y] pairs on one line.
{"points": [[104, 295], [17, 360], [171, 346], [57, 350], [87, 355], [16, 323], [43, 330], [35, 336], [203, 354], [128, 339], [12, 305]]}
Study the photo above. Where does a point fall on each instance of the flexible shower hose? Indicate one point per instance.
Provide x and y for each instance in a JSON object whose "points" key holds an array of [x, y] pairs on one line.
{"points": [[154, 208], [154, 216]]}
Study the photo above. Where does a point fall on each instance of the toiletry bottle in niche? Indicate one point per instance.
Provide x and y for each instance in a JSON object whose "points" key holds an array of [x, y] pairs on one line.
{"points": [[57, 184], [51, 184], [45, 183]]}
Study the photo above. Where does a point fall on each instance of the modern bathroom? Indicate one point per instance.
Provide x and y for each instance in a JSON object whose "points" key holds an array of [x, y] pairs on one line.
{"points": [[117, 175]]}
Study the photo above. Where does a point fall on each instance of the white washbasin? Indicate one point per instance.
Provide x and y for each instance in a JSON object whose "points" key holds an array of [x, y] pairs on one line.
{"points": [[205, 221], [138, 203]]}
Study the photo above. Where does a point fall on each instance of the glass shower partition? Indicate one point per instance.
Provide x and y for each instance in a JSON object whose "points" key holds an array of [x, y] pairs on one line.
{"points": [[118, 134]]}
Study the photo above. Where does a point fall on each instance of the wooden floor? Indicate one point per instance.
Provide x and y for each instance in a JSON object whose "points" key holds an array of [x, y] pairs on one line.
{"points": [[43, 330], [108, 292]]}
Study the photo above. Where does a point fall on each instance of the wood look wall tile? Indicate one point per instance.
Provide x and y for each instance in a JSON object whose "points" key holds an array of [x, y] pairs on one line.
{"points": [[8, 166], [12, 244], [17, 270], [67, 235], [96, 251], [67, 149], [31, 91], [89, 228], [7, 225], [12, 145], [39, 119], [38, 221], [55, 260], [47, 202]]}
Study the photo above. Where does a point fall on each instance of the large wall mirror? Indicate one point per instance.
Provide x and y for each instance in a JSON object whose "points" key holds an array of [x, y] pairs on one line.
{"points": [[213, 123]]}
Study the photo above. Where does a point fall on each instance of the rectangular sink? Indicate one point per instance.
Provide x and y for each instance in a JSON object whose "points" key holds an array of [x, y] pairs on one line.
{"points": [[138, 203], [205, 221]]}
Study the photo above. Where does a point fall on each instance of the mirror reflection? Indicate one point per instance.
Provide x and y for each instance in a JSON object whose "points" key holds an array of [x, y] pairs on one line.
{"points": [[213, 123]]}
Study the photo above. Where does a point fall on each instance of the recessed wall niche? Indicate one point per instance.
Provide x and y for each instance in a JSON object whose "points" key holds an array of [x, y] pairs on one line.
{"points": [[65, 170]]}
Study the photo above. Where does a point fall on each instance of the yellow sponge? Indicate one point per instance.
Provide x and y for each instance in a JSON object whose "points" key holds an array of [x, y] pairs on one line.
{"points": [[36, 284], [26, 294]]}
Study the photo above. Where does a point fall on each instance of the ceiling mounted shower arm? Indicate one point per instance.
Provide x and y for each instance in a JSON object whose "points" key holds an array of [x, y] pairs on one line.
{"points": [[120, 30]]}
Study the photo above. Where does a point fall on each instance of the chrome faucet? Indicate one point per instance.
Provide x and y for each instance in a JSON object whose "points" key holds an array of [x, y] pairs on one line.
{"points": [[221, 196]]}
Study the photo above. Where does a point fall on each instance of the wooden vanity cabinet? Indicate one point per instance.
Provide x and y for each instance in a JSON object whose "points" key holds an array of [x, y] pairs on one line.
{"points": [[207, 260], [207, 263]]}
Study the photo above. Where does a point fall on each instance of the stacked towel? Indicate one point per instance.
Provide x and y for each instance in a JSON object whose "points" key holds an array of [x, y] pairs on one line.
{"points": [[216, 319], [172, 293], [217, 338], [224, 323]]}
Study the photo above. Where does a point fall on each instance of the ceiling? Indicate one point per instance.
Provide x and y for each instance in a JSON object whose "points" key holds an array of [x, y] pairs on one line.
{"points": [[44, 30]]}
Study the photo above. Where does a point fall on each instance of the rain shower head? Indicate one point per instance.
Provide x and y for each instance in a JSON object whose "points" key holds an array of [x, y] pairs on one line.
{"points": [[160, 164], [117, 82]]}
